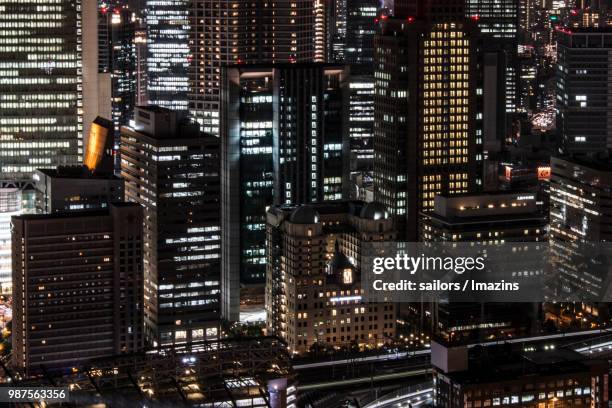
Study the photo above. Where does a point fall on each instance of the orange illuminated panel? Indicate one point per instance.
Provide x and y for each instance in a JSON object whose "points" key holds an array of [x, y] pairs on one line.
{"points": [[95, 146], [544, 173], [508, 173]]}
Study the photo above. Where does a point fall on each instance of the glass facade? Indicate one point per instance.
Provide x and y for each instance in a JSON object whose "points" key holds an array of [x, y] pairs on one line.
{"points": [[168, 55], [10, 205], [40, 85]]}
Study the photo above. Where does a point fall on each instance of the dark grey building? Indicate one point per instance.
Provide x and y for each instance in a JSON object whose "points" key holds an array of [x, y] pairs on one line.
{"points": [[498, 21], [74, 188], [584, 74], [580, 221], [77, 287], [172, 170], [360, 130], [351, 29], [492, 219], [283, 140]]}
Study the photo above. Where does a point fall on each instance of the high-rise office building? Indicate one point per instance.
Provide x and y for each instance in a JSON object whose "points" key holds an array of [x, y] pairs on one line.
{"points": [[77, 286], [288, 33], [49, 83], [282, 135], [172, 170], [351, 25], [360, 30], [491, 219], [336, 30], [499, 27], [360, 131], [120, 23], [428, 112], [168, 53], [320, 9], [528, 71], [315, 299], [583, 73], [526, 18], [580, 197], [225, 32]]}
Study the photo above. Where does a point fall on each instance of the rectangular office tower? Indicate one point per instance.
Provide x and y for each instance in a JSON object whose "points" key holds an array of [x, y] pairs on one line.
{"points": [[43, 98], [172, 170], [580, 229], [584, 74], [351, 25], [227, 32], [491, 219], [428, 112], [282, 136], [168, 54], [313, 282], [77, 287], [498, 21]]}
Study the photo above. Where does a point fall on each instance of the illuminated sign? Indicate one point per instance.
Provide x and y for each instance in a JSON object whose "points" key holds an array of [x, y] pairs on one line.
{"points": [[544, 173]]}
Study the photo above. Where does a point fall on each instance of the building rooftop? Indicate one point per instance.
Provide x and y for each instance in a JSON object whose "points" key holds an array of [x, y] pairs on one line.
{"points": [[76, 172], [356, 208], [599, 163], [495, 364], [75, 214], [585, 30]]}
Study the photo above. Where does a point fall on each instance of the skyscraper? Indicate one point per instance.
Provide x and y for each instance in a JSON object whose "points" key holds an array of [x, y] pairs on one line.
{"points": [[282, 135], [491, 219], [84, 270], [499, 27], [580, 194], [121, 24], [168, 53], [225, 32], [172, 170], [360, 130], [360, 22], [44, 68], [583, 73], [336, 30], [428, 116], [360, 30]]}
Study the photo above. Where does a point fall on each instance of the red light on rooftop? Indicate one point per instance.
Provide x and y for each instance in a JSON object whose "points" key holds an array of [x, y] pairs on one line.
{"points": [[411, 19], [475, 17], [376, 20], [384, 16]]}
